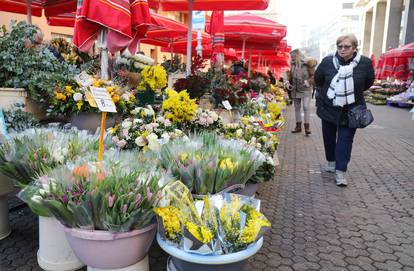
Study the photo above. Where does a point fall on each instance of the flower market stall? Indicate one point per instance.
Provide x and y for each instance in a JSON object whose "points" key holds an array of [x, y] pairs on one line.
{"points": [[182, 163]]}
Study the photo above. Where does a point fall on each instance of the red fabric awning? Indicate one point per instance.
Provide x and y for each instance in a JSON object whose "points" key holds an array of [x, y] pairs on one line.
{"points": [[126, 21], [404, 51], [180, 5], [66, 19], [51, 7]]}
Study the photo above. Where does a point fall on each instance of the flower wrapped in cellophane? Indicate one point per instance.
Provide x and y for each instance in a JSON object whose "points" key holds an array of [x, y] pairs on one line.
{"points": [[117, 194], [218, 224], [207, 163], [34, 151]]}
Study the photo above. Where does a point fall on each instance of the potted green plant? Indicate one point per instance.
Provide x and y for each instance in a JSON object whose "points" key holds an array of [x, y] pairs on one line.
{"points": [[32, 68], [105, 207]]}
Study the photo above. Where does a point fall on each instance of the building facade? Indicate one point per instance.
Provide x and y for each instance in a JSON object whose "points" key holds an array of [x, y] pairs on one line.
{"points": [[320, 41], [387, 24]]}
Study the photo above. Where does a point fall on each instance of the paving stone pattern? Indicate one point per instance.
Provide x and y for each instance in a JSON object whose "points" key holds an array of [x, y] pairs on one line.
{"points": [[316, 225]]}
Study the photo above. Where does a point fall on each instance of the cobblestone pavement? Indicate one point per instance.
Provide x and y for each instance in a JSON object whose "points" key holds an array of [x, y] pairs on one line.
{"points": [[316, 225]]}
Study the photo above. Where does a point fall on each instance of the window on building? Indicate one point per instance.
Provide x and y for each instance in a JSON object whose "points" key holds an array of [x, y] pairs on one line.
{"points": [[347, 5]]}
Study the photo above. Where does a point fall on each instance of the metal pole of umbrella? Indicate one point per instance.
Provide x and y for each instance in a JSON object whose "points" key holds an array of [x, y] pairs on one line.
{"points": [[243, 47], [189, 37], [199, 47], [103, 45], [250, 62], [29, 11]]}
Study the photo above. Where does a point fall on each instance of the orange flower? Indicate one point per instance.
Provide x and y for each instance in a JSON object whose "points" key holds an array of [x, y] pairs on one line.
{"points": [[81, 171], [100, 176]]}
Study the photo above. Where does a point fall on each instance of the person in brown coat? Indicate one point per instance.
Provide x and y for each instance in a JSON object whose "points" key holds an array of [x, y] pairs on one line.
{"points": [[301, 89]]}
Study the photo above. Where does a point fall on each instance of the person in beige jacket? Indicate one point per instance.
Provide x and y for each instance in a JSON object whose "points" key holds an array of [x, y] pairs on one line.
{"points": [[300, 79]]}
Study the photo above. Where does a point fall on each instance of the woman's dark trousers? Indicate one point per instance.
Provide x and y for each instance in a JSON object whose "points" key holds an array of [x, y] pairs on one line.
{"points": [[338, 144]]}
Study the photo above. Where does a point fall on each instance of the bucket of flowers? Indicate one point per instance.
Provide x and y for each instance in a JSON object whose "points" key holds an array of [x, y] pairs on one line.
{"points": [[105, 207], [208, 164], [218, 233], [32, 153]]}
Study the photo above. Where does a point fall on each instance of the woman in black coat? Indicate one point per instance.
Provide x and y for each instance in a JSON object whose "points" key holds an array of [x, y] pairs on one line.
{"points": [[341, 80]]}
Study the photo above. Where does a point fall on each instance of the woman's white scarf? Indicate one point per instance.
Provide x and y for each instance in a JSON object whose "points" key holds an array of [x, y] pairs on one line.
{"points": [[341, 89]]}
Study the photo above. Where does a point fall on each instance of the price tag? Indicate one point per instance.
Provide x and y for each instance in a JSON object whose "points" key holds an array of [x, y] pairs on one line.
{"points": [[227, 105], [90, 99], [84, 79], [103, 100]]}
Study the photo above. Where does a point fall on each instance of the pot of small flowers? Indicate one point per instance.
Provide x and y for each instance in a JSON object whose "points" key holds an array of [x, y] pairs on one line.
{"points": [[106, 209], [219, 233], [75, 102], [153, 79], [144, 131]]}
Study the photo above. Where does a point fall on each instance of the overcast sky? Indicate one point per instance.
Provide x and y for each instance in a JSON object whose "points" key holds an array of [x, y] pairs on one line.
{"points": [[297, 13]]}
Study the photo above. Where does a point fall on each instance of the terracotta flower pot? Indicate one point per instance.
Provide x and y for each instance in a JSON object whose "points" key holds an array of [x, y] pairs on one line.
{"points": [[183, 261], [109, 250]]}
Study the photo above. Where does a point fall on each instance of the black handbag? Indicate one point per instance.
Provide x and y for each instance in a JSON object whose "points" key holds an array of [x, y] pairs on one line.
{"points": [[359, 117]]}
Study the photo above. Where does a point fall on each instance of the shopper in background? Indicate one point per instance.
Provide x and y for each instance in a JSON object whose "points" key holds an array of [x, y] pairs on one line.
{"points": [[341, 78], [301, 90]]}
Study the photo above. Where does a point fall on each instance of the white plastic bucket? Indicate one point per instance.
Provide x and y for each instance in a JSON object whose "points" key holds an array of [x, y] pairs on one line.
{"points": [[54, 252], [142, 265]]}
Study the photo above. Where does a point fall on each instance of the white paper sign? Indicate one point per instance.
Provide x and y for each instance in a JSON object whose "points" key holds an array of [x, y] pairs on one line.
{"points": [[199, 20], [103, 100], [84, 79], [227, 105]]}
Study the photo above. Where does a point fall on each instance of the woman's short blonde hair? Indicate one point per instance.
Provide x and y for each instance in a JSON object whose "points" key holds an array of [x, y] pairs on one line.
{"points": [[351, 37]]}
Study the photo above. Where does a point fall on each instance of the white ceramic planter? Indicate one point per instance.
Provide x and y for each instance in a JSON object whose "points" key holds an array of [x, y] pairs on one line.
{"points": [[183, 261], [54, 253], [10, 96]]}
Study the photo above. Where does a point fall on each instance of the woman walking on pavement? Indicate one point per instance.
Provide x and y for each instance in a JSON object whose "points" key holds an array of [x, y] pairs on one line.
{"points": [[341, 80], [301, 89]]}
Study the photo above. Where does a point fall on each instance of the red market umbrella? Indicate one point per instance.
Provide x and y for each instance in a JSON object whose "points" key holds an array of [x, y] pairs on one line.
{"points": [[373, 60], [35, 7], [126, 21], [404, 51], [66, 19], [401, 70], [254, 30], [190, 5], [179, 5], [216, 30]]}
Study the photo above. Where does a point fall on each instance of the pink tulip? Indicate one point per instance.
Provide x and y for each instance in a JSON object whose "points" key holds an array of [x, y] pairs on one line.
{"points": [[111, 200], [124, 208]]}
